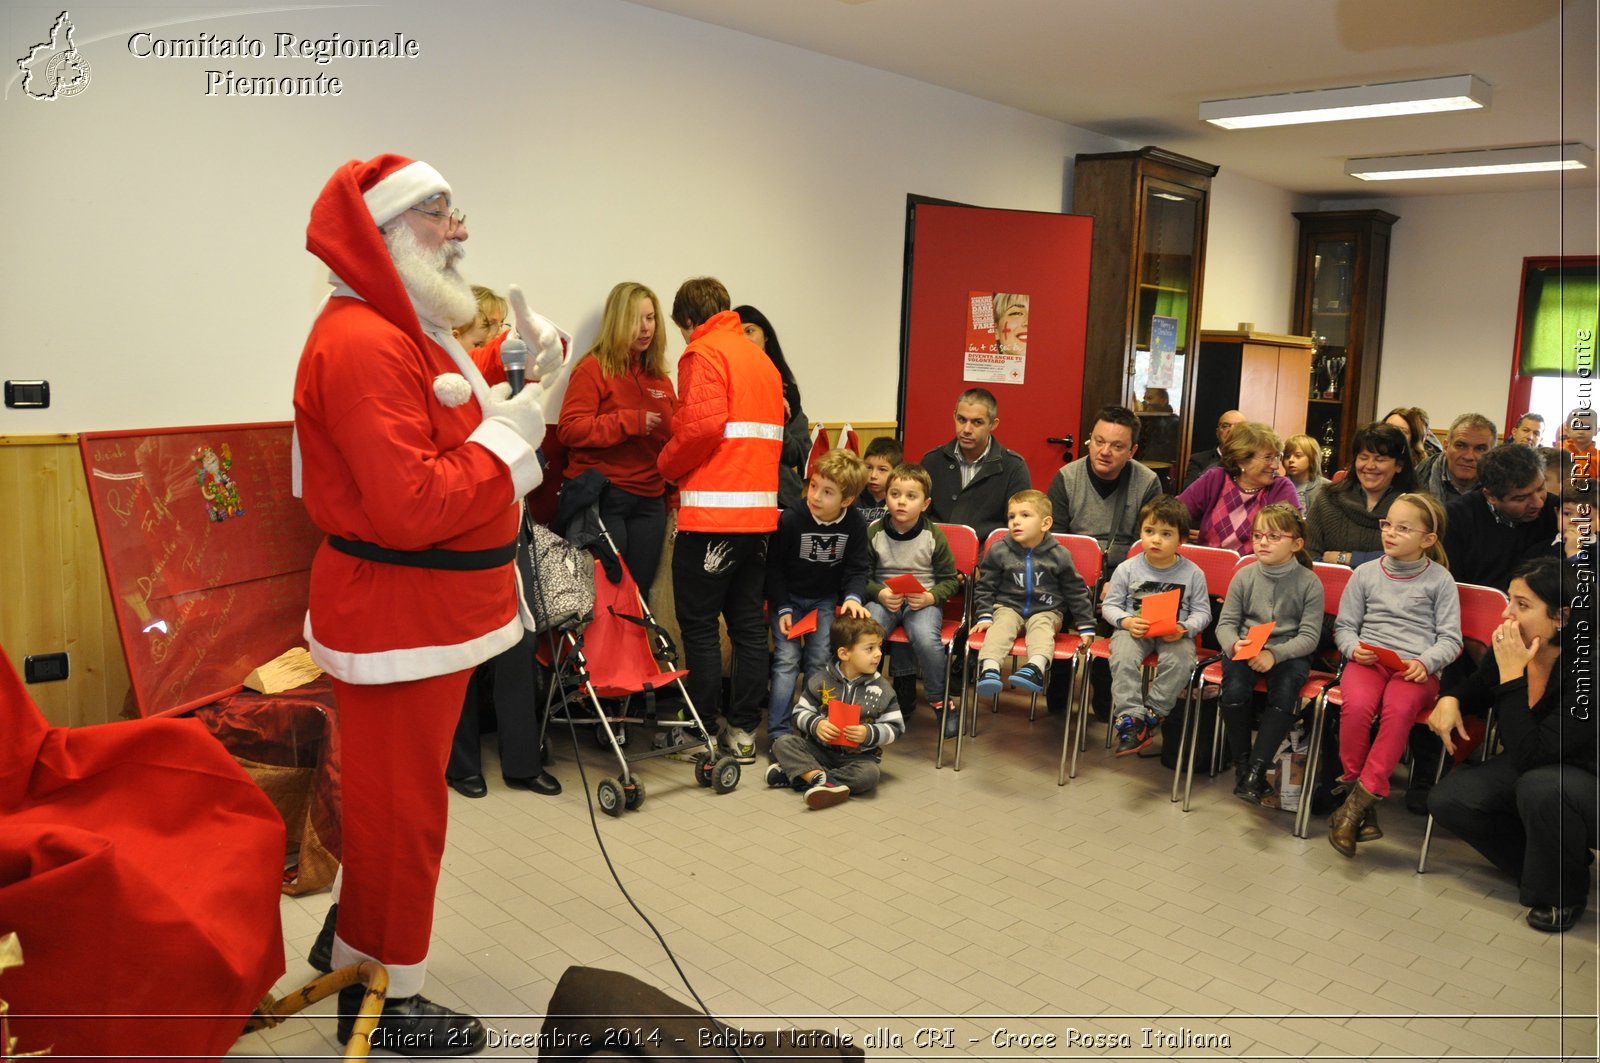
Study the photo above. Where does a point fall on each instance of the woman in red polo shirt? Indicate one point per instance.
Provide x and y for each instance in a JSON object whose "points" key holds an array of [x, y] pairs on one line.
{"points": [[616, 418]]}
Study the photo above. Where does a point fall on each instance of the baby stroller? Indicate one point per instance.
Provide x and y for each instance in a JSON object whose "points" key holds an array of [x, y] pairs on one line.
{"points": [[615, 656]]}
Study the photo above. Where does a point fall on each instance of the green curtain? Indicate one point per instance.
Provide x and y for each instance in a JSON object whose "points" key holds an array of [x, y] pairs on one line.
{"points": [[1556, 305]]}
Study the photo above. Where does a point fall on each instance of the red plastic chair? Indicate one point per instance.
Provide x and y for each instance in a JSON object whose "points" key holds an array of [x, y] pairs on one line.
{"points": [[1210, 677], [964, 551], [1217, 566], [1482, 610], [1086, 557], [1334, 580]]}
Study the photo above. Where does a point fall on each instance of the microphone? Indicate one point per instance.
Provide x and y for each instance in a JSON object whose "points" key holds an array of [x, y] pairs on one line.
{"points": [[514, 356]]}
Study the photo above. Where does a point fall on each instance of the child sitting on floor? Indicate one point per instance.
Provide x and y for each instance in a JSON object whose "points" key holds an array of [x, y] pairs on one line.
{"points": [[812, 758]]}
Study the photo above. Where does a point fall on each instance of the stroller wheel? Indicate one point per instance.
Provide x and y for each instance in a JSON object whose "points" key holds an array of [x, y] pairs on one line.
{"points": [[702, 769], [609, 794], [726, 775], [633, 794]]}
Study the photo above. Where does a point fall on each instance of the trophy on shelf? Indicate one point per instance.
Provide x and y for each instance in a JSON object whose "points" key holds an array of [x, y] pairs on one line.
{"points": [[1327, 447], [1335, 366]]}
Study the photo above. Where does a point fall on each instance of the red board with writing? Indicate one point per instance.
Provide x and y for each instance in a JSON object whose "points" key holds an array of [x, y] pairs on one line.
{"points": [[207, 552]]}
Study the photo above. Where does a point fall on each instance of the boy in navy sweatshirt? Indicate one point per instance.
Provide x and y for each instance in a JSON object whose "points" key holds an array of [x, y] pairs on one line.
{"points": [[817, 560]]}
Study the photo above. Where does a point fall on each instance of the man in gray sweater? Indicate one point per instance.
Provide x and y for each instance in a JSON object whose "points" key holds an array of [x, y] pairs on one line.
{"points": [[1100, 495]]}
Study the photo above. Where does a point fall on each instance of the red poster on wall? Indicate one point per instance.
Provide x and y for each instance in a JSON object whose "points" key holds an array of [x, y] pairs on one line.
{"points": [[996, 299], [207, 553]]}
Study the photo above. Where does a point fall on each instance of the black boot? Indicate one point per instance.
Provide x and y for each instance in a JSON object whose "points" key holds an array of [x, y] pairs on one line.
{"points": [[1253, 785], [321, 955], [1236, 721], [414, 1026]]}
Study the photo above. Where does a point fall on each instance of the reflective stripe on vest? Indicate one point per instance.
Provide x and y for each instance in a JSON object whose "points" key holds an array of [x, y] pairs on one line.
{"points": [[729, 499], [752, 430]]}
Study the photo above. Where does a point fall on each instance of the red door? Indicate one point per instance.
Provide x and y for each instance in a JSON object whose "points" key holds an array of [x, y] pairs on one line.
{"points": [[959, 258]]}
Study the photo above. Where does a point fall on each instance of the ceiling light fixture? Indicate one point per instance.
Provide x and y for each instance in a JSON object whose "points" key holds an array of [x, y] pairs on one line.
{"points": [[1472, 163], [1455, 93]]}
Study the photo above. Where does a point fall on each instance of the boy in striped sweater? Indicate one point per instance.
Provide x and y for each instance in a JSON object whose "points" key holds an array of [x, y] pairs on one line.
{"points": [[829, 762]]}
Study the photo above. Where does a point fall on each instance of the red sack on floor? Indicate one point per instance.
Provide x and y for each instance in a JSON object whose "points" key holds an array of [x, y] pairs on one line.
{"points": [[140, 868]]}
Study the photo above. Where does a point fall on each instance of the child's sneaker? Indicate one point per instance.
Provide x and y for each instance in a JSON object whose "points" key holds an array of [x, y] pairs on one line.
{"points": [[823, 793], [1028, 678], [776, 778], [949, 712], [989, 683], [1132, 735]]}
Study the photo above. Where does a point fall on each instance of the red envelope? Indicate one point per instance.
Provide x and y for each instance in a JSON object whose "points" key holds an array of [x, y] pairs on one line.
{"points": [[1386, 657], [905, 585], [842, 714], [804, 626], [1162, 612], [1254, 640]]}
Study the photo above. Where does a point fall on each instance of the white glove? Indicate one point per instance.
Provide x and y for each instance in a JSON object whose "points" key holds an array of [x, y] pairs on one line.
{"points": [[523, 413], [547, 345]]}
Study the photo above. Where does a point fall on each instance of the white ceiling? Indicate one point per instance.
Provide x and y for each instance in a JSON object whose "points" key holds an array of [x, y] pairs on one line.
{"points": [[1137, 70]]}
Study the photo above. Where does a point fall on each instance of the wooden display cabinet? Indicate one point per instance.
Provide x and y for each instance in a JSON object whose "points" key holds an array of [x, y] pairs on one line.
{"points": [[1150, 209], [1340, 281], [1264, 376]]}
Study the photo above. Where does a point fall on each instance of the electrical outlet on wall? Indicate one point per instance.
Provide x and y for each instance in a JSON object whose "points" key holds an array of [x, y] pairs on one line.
{"points": [[45, 667], [27, 394]]}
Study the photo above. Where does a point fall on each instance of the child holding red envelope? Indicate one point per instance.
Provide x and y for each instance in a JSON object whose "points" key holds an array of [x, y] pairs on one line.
{"points": [[1405, 603], [1157, 571], [817, 564], [1270, 624], [845, 716], [913, 574]]}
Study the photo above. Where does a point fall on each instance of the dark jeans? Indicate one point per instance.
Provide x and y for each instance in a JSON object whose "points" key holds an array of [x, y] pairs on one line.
{"points": [[637, 525], [506, 684], [1239, 680], [723, 574], [1537, 826]]}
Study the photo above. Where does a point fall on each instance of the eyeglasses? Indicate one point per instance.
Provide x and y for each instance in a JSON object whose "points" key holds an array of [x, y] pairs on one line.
{"points": [[1272, 459], [454, 219], [1269, 537], [1400, 529]]}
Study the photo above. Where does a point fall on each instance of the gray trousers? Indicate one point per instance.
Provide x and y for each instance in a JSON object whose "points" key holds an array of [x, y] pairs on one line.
{"points": [[1174, 663], [796, 754]]}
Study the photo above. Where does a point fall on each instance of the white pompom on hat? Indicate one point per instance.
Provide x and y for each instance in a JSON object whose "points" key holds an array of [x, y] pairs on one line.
{"points": [[392, 184]]}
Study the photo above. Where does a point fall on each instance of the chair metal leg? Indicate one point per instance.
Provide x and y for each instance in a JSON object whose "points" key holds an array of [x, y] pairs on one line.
{"points": [[1302, 816], [1069, 744], [1427, 831], [1079, 703]]}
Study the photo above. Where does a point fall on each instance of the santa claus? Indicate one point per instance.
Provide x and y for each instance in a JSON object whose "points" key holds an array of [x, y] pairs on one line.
{"points": [[413, 459]]}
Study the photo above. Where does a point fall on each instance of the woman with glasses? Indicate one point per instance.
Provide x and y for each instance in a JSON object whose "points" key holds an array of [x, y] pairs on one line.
{"points": [[1342, 521], [489, 322], [1224, 501]]}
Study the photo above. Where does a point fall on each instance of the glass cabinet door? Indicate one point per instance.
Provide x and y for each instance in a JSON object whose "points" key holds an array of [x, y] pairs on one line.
{"points": [[1332, 272], [1165, 269]]}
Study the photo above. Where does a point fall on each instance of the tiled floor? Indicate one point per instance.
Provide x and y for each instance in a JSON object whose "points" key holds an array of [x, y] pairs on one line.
{"points": [[967, 905]]}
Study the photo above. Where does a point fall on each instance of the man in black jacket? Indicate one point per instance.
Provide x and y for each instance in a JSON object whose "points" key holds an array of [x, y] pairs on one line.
{"points": [[1505, 521], [973, 475]]}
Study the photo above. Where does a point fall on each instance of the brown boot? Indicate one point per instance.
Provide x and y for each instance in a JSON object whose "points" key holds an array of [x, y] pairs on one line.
{"points": [[1343, 828], [1369, 830]]}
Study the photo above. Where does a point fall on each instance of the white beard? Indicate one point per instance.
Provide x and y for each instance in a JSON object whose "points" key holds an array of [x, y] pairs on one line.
{"points": [[442, 295]]}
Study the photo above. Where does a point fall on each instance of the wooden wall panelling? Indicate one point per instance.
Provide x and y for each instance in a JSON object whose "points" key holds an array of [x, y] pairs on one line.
{"points": [[53, 592]]}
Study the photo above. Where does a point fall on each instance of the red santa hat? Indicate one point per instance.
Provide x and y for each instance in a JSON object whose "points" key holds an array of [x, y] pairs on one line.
{"points": [[343, 231], [393, 184]]}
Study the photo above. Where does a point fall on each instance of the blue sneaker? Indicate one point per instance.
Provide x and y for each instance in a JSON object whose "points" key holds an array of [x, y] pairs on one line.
{"points": [[1132, 735], [1029, 678], [989, 683], [776, 778]]}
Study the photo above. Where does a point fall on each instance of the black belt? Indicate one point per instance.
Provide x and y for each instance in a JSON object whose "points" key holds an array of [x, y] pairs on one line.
{"points": [[437, 557]]}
